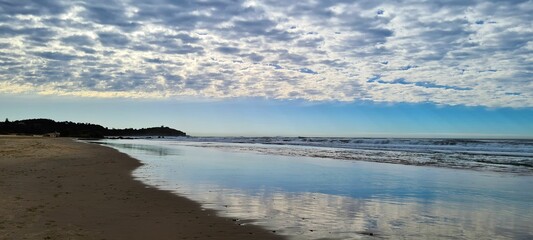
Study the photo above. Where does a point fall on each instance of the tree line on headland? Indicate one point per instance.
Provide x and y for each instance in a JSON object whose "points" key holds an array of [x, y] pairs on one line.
{"points": [[84, 130]]}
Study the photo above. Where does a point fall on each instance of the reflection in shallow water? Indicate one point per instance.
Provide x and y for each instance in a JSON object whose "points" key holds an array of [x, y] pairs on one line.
{"points": [[309, 198], [145, 149]]}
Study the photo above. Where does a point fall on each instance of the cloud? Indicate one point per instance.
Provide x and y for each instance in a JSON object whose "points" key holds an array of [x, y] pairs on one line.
{"points": [[78, 40], [184, 49], [55, 56], [37, 36], [425, 84], [261, 27], [187, 38], [276, 66], [31, 7], [108, 13], [228, 50], [468, 52], [407, 67], [113, 39], [307, 70], [254, 57]]}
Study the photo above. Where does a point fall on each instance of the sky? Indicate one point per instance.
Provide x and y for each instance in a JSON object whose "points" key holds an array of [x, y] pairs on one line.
{"points": [[450, 68]]}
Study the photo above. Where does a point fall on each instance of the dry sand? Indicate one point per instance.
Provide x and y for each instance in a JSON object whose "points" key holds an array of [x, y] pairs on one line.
{"points": [[56, 188]]}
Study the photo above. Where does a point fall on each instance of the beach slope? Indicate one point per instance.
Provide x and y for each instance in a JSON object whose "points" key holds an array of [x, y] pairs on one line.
{"points": [[57, 188]]}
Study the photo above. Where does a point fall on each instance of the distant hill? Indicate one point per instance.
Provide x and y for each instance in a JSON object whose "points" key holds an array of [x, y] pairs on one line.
{"points": [[71, 129], [153, 131]]}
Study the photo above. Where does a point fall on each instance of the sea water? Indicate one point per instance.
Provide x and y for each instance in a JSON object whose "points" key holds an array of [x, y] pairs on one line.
{"points": [[502, 155], [306, 197]]}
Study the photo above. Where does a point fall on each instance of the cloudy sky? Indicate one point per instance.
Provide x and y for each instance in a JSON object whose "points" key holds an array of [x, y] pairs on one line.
{"points": [[448, 53]]}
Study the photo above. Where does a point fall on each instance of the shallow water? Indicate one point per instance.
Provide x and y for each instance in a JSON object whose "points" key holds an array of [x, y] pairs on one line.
{"points": [[315, 198]]}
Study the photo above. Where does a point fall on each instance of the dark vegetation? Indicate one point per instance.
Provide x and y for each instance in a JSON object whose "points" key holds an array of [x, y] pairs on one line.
{"points": [[84, 130]]}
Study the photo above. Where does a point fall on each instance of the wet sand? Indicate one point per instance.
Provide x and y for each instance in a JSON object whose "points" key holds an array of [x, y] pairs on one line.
{"points": [[56, 188]]}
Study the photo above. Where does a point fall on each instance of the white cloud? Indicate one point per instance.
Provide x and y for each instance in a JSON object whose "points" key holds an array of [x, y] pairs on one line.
{"points": [[474, 53]]}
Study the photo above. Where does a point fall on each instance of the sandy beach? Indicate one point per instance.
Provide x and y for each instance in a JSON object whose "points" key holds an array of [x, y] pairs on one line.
{"points": [[56, 188]]}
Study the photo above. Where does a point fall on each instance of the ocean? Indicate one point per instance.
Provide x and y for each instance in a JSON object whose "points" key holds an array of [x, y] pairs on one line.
{"points": [[350, 188]]}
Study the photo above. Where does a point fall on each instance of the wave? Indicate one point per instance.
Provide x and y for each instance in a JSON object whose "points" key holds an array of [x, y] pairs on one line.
{"points": [[512, 147], [500, 155]]}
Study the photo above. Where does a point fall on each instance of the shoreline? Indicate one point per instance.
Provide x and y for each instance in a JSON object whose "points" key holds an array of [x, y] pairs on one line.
{"points": [[57, 188]]}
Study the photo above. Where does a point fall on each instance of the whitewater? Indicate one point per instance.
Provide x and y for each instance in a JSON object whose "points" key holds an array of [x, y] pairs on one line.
{"points": [[499, 155]]}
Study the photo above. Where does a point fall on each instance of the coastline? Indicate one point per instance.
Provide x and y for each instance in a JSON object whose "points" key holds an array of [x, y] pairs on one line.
{"points": [[57, 188]]}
